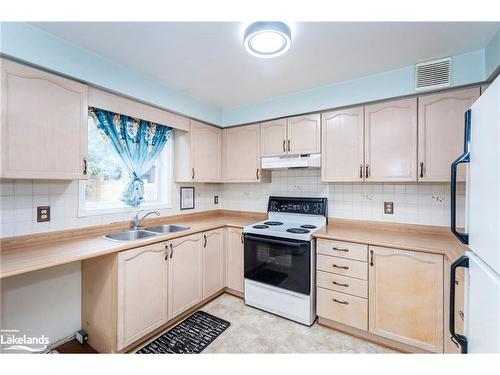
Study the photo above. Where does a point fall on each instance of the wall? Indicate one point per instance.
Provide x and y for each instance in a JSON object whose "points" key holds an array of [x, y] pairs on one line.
{"points": [[35, 46], [492, 56], [413, 203], [43, 302], [467, 68]]}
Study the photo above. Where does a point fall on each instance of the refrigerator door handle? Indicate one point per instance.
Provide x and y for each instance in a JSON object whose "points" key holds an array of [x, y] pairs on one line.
{"points": [[463, 261], [464, 158]]}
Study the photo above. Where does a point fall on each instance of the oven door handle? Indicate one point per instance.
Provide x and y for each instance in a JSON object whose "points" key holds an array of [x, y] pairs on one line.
{"points": [[272, 240]]}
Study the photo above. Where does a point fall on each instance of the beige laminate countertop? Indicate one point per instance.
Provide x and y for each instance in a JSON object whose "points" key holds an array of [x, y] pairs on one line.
{"points": [[38, 254], [437, 240], [30, 253]]}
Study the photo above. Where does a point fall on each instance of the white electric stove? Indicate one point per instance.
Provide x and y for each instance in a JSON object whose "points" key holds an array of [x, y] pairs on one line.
{"points": [[280, 258]]}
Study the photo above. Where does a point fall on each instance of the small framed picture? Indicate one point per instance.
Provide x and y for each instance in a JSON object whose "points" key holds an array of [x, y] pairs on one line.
{"points": [[187, 198]]}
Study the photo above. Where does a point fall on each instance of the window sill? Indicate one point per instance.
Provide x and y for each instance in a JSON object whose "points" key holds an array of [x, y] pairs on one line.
{"points": [[93, 210]]}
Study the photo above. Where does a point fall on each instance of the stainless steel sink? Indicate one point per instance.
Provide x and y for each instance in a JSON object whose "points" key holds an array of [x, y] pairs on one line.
{"points": [[169, 228], [130, 235]]}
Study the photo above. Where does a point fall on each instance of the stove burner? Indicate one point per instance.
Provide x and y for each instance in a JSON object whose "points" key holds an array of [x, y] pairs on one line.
{"points": [[260, 226], [273, 223], [297, 230], [308, 226]]}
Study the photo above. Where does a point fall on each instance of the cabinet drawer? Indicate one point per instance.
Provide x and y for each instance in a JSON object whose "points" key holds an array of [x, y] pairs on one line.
{"points": [[342, 284], [341, 249], [341, 266], [343, 308]]}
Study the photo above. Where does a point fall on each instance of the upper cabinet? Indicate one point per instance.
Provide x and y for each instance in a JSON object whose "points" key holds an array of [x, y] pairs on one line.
{"points": [[292, 136], [198, 153], [43, 117], [241, 155], [441, 132], [273, 138], [391, 141], [342, 145], [304, 134]]}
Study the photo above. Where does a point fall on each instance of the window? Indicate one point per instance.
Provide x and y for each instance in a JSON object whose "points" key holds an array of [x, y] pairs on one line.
{"points": [[107, 177]]}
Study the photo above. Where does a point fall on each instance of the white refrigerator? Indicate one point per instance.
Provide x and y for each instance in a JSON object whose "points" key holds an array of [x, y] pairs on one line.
{"points": [[482, 276]]}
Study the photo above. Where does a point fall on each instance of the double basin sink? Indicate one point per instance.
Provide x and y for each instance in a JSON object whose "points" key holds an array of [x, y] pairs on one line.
{"points": [[140, 234]]}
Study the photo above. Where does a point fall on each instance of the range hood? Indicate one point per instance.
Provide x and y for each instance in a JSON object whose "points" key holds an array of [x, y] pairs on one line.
{"points": [[291, 161]]}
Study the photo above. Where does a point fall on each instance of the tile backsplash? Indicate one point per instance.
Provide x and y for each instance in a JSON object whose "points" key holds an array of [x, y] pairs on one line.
{"points": [[413, 203], [20, 198]]}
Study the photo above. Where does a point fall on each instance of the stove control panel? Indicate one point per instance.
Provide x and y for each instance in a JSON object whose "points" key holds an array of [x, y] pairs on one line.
{"points": [[309, 206]]}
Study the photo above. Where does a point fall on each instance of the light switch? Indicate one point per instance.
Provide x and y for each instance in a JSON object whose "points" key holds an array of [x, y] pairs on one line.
{"points": [[388, 208]]}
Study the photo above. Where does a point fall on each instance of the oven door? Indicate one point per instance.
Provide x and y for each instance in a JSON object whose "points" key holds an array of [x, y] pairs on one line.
{"points": [[279, 262]]}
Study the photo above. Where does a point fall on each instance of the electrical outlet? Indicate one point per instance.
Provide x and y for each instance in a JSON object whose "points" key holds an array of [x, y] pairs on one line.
{"points": [[216, 199], [388, 208], [42, 214]]}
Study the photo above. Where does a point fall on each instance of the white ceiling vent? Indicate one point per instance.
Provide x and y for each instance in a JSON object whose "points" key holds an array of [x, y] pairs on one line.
{"points": [[433, 74]]}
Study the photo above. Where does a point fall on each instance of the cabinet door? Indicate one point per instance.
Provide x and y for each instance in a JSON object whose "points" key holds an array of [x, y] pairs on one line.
{"points": [[234, 251], [185, 274], [304, 134], [205, 152], [43, 116], [213, 262], [406, 297], [441, 132], [391, 141], [273, 138], [142, 292], [342, 145], [242, 153]]}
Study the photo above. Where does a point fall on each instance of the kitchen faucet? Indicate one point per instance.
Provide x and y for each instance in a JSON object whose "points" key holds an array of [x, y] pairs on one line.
{"points": [[136, 222]]}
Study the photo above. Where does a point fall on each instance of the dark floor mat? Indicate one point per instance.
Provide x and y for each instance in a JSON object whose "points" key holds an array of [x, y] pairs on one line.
{"points": [[191, 336]]}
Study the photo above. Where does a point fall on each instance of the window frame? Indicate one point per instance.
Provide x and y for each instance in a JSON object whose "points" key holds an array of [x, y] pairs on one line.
{"points": [[165, 178]]}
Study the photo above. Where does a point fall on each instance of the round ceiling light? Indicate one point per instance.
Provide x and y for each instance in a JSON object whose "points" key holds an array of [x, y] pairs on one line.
{"points": [[267, 39]]}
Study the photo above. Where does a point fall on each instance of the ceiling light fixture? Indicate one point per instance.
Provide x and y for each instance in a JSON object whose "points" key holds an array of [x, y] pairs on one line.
{"points": [[267, 39]]}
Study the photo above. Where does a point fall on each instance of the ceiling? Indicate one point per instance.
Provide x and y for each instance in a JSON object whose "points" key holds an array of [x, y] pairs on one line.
{"points": [[207, 60]]}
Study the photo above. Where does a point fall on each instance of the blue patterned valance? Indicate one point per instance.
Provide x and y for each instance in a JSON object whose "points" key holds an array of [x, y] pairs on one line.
{"points": [[137, 142]]}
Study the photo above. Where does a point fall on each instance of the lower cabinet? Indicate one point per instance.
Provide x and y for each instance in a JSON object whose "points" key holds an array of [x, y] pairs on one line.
{"points": [[214, 262], [406, 297], [129, 294], [142, 296], [185, 276], [234, 249], [397, 296]]}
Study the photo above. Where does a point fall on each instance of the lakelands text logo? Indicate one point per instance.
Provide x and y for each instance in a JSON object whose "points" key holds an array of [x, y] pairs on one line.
{"points": [[11, 340]]}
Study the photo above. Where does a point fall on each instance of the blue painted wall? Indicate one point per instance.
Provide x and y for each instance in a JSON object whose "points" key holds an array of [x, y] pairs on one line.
{"points": [[33, 45], [467, 68], [28, 43], [492, 55]]}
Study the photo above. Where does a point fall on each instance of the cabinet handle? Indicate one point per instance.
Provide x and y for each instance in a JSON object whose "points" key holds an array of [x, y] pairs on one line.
{"points": [[241, 238], [421, 169], [340, 284], [84, 166], [367, 171], [340, 249], [341, 302], [205, 239], [343, 267], [171, 251], [288, 145], [371, 258], [284, 145], [257, 174], [461, 314], [192, 173], [361, 171], [166, 251]]}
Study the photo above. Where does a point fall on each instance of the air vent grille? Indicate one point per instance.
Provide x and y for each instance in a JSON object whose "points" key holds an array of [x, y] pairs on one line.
{"points": [[433, 74]]}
